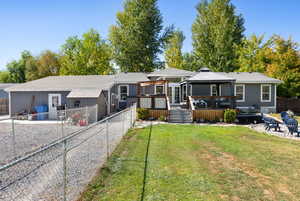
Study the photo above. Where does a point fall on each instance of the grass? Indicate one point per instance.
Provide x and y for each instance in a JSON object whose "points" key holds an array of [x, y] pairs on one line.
{"points": [[277, 115], [195, 163]]}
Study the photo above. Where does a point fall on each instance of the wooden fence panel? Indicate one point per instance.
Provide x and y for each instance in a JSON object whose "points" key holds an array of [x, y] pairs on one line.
{"points": [[209, 115], [157, 113], [3, 106], [284, 104]]}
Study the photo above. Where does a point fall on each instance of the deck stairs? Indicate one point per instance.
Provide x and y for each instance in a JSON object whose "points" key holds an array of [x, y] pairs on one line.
{"points": [[180, 115]]}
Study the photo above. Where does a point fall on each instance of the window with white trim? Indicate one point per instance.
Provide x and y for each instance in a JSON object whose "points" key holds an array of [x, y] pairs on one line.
{"points": [[184, 92], [213, 90], [159, 89], [239, 92], [265, 93], [123, 92]]}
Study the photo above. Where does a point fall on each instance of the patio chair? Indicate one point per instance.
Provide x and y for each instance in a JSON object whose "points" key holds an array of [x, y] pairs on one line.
{"points": [[270, 123], [284, 117], [292, 125]]}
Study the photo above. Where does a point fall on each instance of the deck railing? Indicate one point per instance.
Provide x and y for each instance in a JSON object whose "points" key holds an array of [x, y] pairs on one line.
{"points": [[159, 102], [212, 102]]}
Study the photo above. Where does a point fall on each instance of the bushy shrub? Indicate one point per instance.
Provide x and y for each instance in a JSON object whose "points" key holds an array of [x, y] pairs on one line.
{"points": [[143, 113], [162, 118], [229, 115]]}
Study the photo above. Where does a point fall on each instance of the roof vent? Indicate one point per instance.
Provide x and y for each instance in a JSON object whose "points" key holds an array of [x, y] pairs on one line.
{"points": [[204, 69]]}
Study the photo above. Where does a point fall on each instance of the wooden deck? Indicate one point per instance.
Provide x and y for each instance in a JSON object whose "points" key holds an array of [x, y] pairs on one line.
{"points": [[208, 114]]}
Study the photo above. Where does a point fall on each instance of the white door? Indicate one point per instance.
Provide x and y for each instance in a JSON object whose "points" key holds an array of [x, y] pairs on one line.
{"points": [[174, 91], [54, 100]]}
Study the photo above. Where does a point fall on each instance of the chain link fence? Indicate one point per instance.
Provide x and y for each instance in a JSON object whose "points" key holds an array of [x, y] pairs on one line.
{"points": [[23, 134], [61, 169]]}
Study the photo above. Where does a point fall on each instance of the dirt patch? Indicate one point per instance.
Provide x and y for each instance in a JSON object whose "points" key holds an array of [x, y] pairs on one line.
{"points": [[218, 160]]}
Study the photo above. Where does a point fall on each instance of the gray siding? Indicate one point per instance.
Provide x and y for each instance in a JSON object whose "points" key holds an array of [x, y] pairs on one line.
{"points": [[132, 89], [20, 101], [132, 95], [83, 102], [200, 89], [253, 96], [226, 90]]}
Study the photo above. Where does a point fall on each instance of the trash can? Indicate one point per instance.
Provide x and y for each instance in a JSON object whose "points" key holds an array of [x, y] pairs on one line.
{"points": [[41, 112]]}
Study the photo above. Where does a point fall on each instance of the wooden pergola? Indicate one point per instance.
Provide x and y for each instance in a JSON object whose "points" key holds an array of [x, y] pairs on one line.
{"points": [[165, 83]]}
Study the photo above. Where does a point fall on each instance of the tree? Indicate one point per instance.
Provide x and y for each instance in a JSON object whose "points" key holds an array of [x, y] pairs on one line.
{"points": [[215, 32], [87, 56], [277, 58], [4, 77], [136, 38], [17, 69], [252, 54], [48, 64], [285, 65], [190, 62], [173, 54]]}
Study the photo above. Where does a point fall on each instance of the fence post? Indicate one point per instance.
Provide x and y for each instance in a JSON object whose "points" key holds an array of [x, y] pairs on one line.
{"points": [[131, 118], [107, 139], [123, 124], [13, 136], [86, 114], [64, 162]]}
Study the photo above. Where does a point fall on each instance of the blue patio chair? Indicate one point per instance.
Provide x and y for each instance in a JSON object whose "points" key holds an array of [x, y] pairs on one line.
{"points": [[284, 117], [270, 123], [292, 125]]}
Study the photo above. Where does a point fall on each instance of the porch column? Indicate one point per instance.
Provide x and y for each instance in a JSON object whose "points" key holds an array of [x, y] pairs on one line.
{"points": [[108, 101], [233, 101], [187, 89]]}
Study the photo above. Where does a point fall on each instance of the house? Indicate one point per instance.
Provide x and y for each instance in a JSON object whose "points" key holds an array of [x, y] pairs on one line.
{"points": [[161, 91], [74, 92], [4, 97]]}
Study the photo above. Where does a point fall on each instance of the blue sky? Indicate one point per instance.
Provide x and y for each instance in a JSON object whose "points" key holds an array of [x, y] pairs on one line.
{"points": [[37, 25]]}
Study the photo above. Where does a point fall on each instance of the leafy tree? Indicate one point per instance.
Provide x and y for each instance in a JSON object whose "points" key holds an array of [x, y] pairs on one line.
{"points": [[137, 38], [252, 54], [190, 62], [31, 69], [48, 64], [173, 54], [216, 30], [4, 77], [87, 56], [17, 69], [277, 57], [285, 65]]}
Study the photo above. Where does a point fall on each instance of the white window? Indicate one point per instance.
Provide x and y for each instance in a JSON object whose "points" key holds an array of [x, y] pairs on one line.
{"points": [[239, 92], [123, 92], [184, 92], [265, 92], [214, 90], [159, 89]]}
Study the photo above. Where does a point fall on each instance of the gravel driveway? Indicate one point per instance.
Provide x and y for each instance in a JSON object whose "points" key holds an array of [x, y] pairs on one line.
{"points": [[41, 177], [28, 137]]}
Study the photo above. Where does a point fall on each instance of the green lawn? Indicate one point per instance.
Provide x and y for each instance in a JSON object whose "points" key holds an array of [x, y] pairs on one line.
{"points": [[193, 163], [278, 116]]}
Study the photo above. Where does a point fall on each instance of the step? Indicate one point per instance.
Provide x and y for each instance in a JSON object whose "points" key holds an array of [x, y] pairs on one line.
{"points": [[180, 117], [180, 112], [177, 121]]}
